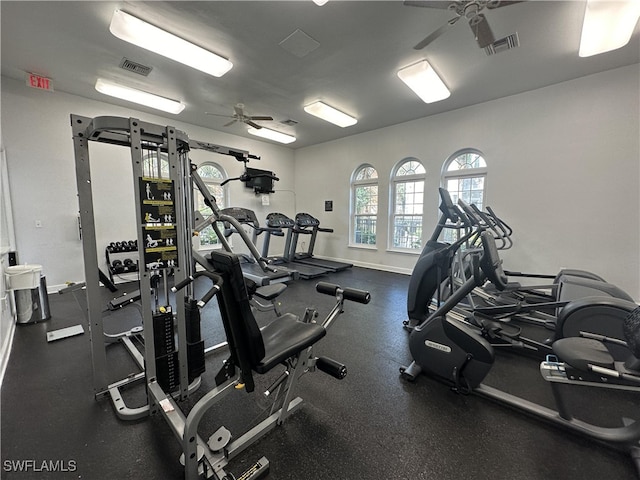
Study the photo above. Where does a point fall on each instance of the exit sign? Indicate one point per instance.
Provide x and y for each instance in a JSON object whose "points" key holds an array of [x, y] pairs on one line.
{"points": [[39, 82]]}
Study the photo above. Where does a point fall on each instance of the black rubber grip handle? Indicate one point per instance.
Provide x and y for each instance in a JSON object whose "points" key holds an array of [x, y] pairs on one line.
{"points": [[182, 284], [353, 294]]}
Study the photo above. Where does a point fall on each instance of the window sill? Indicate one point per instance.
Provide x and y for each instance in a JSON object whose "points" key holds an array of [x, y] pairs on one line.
{"points": [[363, 246], [404, 251]]}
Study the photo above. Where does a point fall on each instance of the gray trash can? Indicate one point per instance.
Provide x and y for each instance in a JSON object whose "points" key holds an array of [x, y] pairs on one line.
{"points": [[30, 292]]}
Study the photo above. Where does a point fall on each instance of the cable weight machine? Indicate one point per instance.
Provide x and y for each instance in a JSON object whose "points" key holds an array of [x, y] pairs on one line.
{"points": [[173, 356]]}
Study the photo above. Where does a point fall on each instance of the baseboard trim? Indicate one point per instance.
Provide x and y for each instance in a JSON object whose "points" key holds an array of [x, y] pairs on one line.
{"points": [[373, 266], [5, 349]]}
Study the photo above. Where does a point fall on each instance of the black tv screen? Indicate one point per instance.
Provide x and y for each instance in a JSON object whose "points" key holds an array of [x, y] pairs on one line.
{"points": [[260, 180]]}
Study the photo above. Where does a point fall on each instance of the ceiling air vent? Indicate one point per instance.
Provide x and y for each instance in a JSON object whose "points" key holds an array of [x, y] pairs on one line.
{"points": [[135, 67], [503, 44]]}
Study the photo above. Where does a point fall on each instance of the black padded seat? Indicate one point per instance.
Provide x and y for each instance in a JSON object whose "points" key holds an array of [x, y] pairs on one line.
{"points": [[269, 292], [285, 337], [580, 352]]}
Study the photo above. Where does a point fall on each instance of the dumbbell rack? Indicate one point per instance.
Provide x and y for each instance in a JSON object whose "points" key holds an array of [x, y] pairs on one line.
{"points": [[122, 261]]}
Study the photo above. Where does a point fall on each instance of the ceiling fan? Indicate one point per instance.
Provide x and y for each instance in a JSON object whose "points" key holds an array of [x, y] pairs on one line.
{"points": [[240, 116], [470, 9]]}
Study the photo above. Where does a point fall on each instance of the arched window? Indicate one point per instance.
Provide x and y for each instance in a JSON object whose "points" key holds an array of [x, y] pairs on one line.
{"points": [[364, 205], [464, 176], [213, 175], [406, 205]]}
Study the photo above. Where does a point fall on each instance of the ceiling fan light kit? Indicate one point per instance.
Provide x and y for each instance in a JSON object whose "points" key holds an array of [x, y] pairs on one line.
{"points": [[608, 25], [424, 81], [133, 30], [330, 114], [138, 96], [272, 135]]}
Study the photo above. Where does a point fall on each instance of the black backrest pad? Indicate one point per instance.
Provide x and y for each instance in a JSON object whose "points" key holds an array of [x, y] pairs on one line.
{"points": [[632, 332], [243, 333]]}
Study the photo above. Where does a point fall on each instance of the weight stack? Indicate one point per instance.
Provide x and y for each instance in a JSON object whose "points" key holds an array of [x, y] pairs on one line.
{"points": [[195, 344], [167, 371]]}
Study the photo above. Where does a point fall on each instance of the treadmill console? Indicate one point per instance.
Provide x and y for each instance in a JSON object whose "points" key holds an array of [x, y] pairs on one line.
{"points": [[306, 220], [242, 215], [279, 220]]}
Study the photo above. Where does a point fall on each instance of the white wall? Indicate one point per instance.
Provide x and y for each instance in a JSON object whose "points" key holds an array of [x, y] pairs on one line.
{"points": [[564, 172], [38, 141]]}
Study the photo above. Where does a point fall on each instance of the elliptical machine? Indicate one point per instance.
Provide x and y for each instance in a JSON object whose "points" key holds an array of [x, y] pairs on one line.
{"points": [[456, 353], [441, 272]]}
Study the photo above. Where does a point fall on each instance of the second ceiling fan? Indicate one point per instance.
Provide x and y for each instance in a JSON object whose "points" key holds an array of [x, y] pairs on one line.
{"points": [[239, 115]]}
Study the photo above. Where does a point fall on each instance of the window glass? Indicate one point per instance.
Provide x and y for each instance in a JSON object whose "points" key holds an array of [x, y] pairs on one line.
{"points": [[464, 177], [364, 215], [408, 202], [212, 175]]}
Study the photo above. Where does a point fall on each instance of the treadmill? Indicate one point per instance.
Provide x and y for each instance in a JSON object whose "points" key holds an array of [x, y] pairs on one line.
{"points": [[250, 266], [276, 223], [306, 224]]}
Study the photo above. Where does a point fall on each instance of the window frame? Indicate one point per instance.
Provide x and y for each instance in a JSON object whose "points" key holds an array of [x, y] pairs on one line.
{"points": [[394, 181], [225, 200], [355, 184], [475, 172], [465, 173]]}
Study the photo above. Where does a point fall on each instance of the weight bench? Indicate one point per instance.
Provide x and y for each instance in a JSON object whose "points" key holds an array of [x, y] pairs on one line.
{"points": [[286, 341]]}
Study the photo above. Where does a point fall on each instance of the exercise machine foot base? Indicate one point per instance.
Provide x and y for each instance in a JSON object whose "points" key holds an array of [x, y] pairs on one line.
{"points": [[411, 372], [258, 470]]}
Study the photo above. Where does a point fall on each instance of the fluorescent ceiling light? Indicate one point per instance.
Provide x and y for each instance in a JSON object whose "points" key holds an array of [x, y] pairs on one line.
{"points": [[330, 114], [133, 30], [607, 25], [138, 96], [271, 135], [424, 81], [320, 2]]}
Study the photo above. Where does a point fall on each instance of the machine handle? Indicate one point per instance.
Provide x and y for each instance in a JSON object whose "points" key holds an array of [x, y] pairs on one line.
{"points": [[217, 284], [180, 285], [353, 294]]}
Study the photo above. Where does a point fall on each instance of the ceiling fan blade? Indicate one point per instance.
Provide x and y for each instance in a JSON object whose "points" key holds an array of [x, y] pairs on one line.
{"points": [[231, 122], [481, 30], [260, 117], [218, 115], [500, 3], [430, 38], [253, 124], [427, 4]]}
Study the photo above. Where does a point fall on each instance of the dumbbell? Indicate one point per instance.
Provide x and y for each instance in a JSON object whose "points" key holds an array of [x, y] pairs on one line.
{"points": [[129, 265], [117, 266]]}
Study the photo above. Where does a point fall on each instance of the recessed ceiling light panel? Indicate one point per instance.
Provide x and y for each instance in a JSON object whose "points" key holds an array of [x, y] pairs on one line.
{"points": [[607, 25], [424, 81], [138, 96], [271, 135], [330, 114], [140, 33]]}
